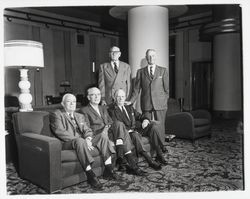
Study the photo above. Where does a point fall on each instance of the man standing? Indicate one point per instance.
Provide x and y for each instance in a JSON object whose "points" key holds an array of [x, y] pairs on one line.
{"points": [[113, 75], [152, 81], [72, 129], [138, 126], [98, 118]]}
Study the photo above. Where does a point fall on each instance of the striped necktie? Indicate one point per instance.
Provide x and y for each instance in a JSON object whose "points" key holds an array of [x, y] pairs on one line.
{"points": [[115, 68], [151, 72]]}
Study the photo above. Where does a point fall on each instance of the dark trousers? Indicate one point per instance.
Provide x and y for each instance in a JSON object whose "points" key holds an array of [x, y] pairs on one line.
{"points": [[158, 115], [119, 131], [152, 131]]}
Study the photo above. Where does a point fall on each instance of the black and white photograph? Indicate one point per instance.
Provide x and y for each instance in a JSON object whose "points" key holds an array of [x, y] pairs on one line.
{"points": [[139, 99]]}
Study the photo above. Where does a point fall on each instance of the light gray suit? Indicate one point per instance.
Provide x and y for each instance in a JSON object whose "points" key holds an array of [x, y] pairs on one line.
{"points": [[109, 81], [73, 136]]}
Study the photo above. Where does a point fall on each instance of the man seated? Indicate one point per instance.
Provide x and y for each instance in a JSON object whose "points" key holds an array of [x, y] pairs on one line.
{"points": [[73, 130], [137, 125], [99, 119]]}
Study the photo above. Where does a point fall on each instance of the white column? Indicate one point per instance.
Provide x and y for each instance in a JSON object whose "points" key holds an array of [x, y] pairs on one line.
{"points": [[147, 28], [227, 72]]}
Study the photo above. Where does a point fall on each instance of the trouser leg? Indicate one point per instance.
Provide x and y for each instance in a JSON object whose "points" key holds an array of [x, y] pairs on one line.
{"points": [[159, 115], [82, 152], [102, 143], [119, 131], [137, 141]]}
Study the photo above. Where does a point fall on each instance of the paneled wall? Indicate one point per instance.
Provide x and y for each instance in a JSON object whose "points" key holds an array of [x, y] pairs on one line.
{"points": [[64, 59]]}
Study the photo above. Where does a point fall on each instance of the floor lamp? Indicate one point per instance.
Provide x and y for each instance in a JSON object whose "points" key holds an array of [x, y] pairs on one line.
{"points": [[23, 54]]}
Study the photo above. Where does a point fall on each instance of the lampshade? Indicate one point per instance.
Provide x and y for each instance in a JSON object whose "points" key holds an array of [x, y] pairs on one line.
{"points": [[23, 53]]}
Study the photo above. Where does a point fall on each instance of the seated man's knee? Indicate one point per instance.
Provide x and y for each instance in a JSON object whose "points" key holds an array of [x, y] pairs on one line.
{"points": [[118, 124], [79, 141]]}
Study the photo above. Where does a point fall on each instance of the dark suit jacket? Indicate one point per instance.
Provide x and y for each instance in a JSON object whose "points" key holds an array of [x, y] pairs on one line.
{"points": [[109, 81], [154, 92], [135, 118], [97, 122], [63, 127]]}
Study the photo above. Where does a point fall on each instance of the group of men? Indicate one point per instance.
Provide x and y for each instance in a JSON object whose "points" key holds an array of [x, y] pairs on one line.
{"points": [[111, 124]]}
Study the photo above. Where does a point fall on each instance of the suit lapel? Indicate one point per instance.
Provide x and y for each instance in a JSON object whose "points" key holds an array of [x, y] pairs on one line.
{"points": [[110, 70], [118, 76], [157, 72], [122, 115], [94, 111]]}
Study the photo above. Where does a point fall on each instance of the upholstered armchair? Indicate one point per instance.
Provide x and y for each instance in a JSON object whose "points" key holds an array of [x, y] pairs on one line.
{"points": [[189, 125], [41, 159]]}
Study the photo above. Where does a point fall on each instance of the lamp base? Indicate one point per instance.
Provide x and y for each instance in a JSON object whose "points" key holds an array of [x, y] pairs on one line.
{"points": [[25, 98]]}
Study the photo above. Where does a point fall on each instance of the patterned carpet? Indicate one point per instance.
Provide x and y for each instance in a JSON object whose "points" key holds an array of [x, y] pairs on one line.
{"points": [[211, 164]]}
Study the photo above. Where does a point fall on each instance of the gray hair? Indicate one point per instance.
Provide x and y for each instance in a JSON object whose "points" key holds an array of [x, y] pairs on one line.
{"points": [[116, 92], [65, 97]]}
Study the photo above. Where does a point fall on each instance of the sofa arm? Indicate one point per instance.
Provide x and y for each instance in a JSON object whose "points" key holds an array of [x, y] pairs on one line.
{"points": [[40, 160], [180, 124], [201, 114]]}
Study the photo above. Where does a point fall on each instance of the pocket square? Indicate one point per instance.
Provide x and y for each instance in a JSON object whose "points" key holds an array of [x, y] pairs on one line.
{"points": [[160, 77]]}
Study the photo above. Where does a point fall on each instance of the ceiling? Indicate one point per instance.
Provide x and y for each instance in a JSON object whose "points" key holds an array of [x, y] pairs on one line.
{"points": [[101, 14]]}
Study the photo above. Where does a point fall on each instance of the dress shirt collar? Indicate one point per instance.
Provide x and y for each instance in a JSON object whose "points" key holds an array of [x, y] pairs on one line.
{"points": [[113, 65], [153, 68], [96, 108]]}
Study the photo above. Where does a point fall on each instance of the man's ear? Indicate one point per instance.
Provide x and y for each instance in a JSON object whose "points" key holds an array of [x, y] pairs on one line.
{"points": [[88, 97]]}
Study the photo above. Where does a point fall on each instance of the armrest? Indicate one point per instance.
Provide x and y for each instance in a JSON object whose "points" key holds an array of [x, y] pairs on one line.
{"points": [[40, 160], [201, 114], [180, 124]]}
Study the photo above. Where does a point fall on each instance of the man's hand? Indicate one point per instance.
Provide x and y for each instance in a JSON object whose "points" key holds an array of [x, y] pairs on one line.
{"points": [[127, 103], [103, 103], [89, 143], [106, 129], [145, 123]]}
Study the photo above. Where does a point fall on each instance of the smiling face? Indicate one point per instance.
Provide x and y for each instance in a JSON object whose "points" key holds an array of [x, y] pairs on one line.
{"points": [[69, 103], [120, 97], [114, 53], [151, 57], [94, 96]]}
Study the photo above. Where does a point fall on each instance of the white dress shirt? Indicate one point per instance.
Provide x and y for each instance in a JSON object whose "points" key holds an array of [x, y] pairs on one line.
{"points": [[113, 65], [153, 69]]}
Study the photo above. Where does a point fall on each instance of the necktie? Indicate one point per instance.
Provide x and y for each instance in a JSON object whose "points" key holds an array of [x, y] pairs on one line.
{"points": [[115, 68], [72, 118], [151, 72], [75, 124]]}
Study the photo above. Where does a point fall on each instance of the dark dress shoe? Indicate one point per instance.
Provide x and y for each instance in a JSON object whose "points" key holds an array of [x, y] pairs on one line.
{"points": [[164, 149], [161, 160], [95, 183], [93, 180], [156, 166], [110, 174], [136, 171]]}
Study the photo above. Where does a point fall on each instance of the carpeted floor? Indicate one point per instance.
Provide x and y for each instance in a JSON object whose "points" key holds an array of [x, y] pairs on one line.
{"points": [[211, 164]]}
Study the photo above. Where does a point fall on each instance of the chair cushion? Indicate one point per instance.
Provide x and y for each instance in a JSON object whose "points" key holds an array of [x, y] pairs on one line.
{"points": [[201, 122], [70, 155]]}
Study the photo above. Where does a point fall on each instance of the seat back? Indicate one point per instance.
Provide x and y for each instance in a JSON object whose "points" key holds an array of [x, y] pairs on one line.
{"points": [[173, 106], [32, 122]]}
